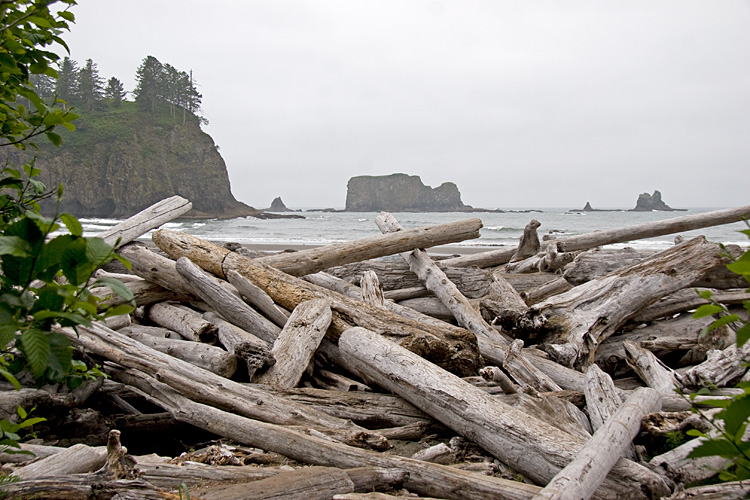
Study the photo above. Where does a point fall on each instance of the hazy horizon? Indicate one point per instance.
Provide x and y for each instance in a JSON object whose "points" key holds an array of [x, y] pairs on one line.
{"points": [[520, 104]]}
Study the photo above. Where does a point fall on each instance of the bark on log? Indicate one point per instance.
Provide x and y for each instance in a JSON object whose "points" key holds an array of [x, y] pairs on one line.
{"points": [[581, 477], [230, 306], [211, 358], [154, 216], [258, 298], [184, 321], [652, 229], [450, 347], [395, 276], [589, 313], [296, 344], [534, 448]]}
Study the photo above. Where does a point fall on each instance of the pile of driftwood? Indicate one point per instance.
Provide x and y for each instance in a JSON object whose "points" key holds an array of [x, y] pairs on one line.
{"points": [[369, 369]]}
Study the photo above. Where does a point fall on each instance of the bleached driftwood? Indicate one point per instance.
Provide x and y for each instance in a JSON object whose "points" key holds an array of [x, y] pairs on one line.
{"points": [[230, 306], [296, 344], [529, 243], [146, 220], [184, 321], [372, 291], [602, 401], [535, 448], [651, 370], [257, 297], [686, 299], [721, 368], [450, 347], [541, 292], [77, 459], [581, 477], [589, 313], [159, 270], [652, 229], [211, 358], [524, 372], [246, 347]]}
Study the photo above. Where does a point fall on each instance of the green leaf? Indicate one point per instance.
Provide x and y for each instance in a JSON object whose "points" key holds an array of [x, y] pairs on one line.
{"points": [[713, 447], [54, 138], [21, 412], [116, 286], [36, 347], [743, 334], [30, 422], [736, 414], [707, 310], [72, 224], [13, 245], [98, 251], [119, 310], [67, 15], [724, 320]]}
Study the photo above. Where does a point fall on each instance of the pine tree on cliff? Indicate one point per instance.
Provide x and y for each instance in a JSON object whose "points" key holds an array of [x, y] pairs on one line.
{"points": [[114, 91], [66, 86], [90, 86], [150, 82]]}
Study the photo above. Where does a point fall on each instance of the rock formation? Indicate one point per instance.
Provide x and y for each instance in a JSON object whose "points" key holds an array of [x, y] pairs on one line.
{"points": [[278, 206], [115, 166], [400, 193], [649, 202]]}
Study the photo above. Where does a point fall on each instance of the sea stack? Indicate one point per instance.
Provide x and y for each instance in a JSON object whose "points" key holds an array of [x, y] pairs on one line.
{"points": [[650, 202]]}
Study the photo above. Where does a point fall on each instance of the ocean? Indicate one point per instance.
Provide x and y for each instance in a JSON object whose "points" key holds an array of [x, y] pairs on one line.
{"points": [[500, 229]]}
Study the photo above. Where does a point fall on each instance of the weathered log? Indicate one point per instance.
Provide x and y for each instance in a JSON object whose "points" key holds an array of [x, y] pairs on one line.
{"points": [[395, 276], [429, 306], [154, 216], [683, 470], [481, 260], [453, 348], [33, 452], [258, 298], [249, 349], [77, 459], [320, 258], [83, 487], [144, 293], [541, 292], [406, 293], [184, 321], [683, 333], [437, 282], [581, 477], [598, 262], [651, 370], [589, 313], [230, 306], [335, 381], [250, 400], [549, 261], [524, 372], [533, 447], [158, 269], [735, 490], [372, 291], [296, 344], [496, 375], [169, 476], [602, 401], [684, 300], [529, 243], [424, 478], [211, 358], [652, 229], [153, 331], [504, 306], [723, 367]]}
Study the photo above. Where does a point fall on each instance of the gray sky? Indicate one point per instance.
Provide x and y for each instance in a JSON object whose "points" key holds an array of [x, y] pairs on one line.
{"points": [[520, 103]]}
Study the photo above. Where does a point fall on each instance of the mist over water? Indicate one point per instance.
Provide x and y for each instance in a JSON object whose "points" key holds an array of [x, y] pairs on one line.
{"points": [[500, 229]]}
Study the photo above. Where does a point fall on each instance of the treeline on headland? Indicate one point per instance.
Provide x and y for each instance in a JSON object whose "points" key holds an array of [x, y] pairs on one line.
{"points": [[82, 87]]}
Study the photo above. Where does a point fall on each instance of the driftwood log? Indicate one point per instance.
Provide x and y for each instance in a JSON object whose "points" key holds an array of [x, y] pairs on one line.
{"points": [[146, 220]]}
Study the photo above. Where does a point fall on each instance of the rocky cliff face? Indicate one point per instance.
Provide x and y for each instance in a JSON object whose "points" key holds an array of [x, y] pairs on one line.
{"points": [[117, 173], [400, 193]]}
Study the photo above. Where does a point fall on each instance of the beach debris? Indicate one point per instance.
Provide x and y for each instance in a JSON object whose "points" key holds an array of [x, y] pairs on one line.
{"points": [[444, 378]]}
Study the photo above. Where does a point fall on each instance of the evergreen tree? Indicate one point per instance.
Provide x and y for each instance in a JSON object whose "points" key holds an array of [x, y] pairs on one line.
{"points": [[150, 82], [44, 85], [66, 86], [90, 86], [114, 91]]}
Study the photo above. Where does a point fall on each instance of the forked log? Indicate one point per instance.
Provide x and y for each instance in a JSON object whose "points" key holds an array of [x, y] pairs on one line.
{"points": [[533, 447], [581, 477], [587, 314], [652, 229], [453, 348], [154, 216], [296, 344]]}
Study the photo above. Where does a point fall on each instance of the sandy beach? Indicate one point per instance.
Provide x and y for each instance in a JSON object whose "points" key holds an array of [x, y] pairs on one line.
{"points": [[438, 250]]}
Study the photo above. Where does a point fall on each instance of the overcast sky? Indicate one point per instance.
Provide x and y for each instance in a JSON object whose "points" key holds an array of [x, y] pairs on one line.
{"points": [[520, 103]]}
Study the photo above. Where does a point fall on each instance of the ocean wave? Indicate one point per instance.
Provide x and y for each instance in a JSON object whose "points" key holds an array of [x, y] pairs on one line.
{"points": [[503, 229]]}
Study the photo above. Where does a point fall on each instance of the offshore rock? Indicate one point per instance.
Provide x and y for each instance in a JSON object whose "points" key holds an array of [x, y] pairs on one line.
{"points": [[401, 193], [649, 202]]}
